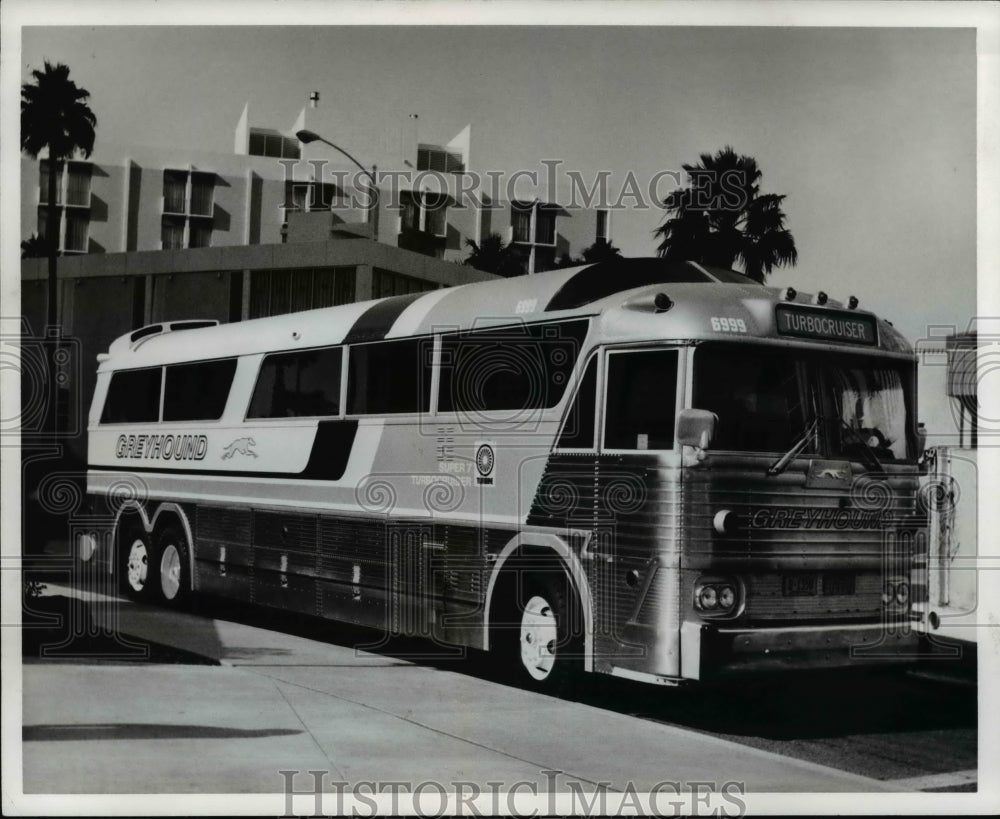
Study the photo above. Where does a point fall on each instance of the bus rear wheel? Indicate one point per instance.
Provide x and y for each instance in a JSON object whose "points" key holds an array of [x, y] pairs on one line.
{"points": [[541, 646], [173, 572]]}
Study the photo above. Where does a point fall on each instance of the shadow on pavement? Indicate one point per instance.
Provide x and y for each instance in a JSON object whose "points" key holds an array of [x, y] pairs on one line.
{"points": [[799, 705], [143, 730], [59, 628]]}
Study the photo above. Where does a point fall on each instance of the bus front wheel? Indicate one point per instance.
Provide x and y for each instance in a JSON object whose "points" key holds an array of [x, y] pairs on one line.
{"points": [[540, 643]]}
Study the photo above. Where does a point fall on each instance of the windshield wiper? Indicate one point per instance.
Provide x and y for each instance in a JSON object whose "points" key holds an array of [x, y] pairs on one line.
{"points": [[867, 453], [782, 463]]}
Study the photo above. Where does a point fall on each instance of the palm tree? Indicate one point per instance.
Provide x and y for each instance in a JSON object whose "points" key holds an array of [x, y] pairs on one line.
{"points": [[723, 219], [34, 247], [493, 256], [601, 251], [55, 118]]}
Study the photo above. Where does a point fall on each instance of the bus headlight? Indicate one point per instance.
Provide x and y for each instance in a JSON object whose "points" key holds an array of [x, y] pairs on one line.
{"points": [[718, 597], [902, 593], [888, 594]]}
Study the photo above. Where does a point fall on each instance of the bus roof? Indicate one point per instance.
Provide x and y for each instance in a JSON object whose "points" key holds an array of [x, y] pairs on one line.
{"points": [[623, 292]]}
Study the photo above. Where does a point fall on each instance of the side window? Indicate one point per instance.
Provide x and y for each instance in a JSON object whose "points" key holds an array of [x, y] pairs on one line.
{"points": [[197, 392], [641, 399], [508, 368], [133, 397], [304, 383], [390, 377], [578, 430]]}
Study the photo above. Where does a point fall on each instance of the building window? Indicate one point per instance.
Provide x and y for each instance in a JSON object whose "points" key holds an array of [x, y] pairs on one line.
{"points": [[520, 223], [71, 228], [410, 211], [78, 184], [545, 225], [202, 194], [602, 226], [43, 181], [200, 233], [188, 203], [273, 292], [436, 158], [77, 230], [386, 283], [50, 236], [265, 142], [172, 233], [426, 212], [311, 196], [175, 191], [436, 214]]}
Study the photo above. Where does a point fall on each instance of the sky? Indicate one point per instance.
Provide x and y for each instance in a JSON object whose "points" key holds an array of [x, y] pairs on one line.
{"points": [[870, 133]]}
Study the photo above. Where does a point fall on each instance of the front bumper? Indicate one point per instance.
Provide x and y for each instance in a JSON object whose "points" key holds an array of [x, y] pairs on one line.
{"points": [[710, 651]]}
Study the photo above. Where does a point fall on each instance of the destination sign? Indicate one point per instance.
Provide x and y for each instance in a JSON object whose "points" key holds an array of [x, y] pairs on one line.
{"points": [[826, 325]]}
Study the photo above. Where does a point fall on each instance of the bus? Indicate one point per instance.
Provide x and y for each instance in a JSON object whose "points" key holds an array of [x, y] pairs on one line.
{"points": [[652, 469]]}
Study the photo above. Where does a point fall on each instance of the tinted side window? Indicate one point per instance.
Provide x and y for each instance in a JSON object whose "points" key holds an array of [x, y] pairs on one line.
{"points": [[390, 377], [508, 368], [301, 383], [197, 392], [642, 393], [578, 431], [133, 397]]}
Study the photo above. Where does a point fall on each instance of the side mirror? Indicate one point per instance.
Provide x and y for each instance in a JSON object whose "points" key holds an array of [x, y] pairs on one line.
{"points": [[696, 427]]}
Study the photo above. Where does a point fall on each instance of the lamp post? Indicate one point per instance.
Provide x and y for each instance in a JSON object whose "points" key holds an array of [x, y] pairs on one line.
{"points": [[305, 137]]}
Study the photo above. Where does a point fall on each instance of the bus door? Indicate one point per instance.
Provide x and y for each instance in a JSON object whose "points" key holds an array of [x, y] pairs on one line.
{"points": [[638, 491]]}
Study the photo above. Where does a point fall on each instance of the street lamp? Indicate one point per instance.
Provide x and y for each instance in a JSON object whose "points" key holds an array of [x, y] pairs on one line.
{"points": [[305, 137]]}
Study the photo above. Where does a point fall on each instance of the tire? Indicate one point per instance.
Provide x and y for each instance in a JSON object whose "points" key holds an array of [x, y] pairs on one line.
{"points": [[173, 572], [540, 639], [135, 563]]}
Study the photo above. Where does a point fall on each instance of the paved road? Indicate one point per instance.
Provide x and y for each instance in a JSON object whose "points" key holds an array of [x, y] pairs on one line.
{"points": [[294, 694]]}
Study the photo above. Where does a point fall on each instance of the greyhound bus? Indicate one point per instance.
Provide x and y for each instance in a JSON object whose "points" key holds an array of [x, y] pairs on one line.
{"points": [[657, 470]]}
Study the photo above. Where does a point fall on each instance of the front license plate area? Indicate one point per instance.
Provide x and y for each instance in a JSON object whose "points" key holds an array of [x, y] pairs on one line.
{"points": [[798, 585]]}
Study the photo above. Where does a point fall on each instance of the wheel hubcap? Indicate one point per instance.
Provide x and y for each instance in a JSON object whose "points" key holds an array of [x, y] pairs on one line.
{"points": [[138, 566], [538, 637], [170, 571]]}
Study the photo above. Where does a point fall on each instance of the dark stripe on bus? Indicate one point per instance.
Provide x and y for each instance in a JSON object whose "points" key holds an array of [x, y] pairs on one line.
{"points": [[328, 459], [375, 323], [600, 280]]}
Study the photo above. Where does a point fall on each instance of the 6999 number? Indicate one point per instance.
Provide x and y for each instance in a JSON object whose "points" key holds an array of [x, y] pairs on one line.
{"points": [[722, 324]]}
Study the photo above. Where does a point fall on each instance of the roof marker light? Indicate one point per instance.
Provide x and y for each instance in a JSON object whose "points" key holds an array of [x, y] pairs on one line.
{"points": [[821, 298], [662, 302], [852, 303], [790, 294]]}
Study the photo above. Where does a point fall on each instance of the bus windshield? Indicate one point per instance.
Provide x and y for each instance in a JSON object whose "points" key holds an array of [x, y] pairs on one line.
{"points": [[768, 398]]}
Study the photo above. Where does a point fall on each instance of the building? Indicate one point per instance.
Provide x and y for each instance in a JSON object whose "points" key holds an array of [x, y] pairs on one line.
{"points": [[153, 234], [126, 199]]}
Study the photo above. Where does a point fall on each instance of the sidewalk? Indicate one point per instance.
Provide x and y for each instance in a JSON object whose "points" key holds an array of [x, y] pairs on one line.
{"points": [[285, 702]]}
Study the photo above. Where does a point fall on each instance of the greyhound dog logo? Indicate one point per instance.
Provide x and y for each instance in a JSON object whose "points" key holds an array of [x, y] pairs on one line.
{"points": [[240, 446], [836, 474]]}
